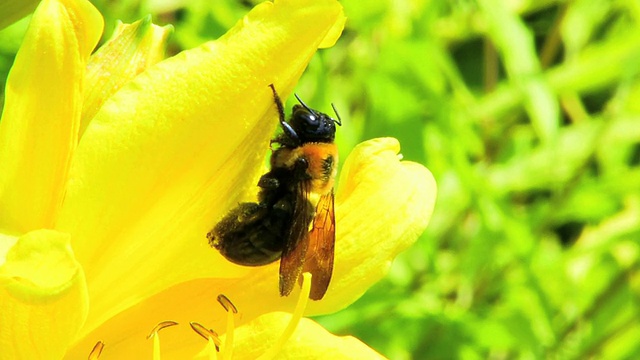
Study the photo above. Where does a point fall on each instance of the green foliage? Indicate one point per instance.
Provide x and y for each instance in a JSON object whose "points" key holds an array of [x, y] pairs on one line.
{"points": [[528, 114], [528, 118]]}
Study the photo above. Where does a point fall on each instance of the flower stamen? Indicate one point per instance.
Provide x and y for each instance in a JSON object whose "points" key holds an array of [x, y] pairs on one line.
{"points": [[156, 338], [206, 333], [227, 304], [96, 351], [227, 349], [213, 341], [303, 299]]}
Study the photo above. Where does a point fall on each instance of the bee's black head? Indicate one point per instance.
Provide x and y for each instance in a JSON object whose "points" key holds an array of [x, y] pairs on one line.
{"points": [[305, 125], [311, 125]]}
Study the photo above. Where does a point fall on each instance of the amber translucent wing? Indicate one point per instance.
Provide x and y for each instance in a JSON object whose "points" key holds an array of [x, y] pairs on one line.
{"points": [[322, 238], [297, 240]]}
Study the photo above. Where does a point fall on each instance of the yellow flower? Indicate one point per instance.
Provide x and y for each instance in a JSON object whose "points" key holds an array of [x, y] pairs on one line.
{"points": [[108, 185]]}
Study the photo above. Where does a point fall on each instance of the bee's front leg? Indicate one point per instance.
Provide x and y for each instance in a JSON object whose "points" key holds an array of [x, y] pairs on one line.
{"points": [[268, 182]]}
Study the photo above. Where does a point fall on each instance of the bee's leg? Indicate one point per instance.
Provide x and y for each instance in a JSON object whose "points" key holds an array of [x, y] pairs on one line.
{"points": [[268, 182], [288, 130], [278, 102], [300, 168]]}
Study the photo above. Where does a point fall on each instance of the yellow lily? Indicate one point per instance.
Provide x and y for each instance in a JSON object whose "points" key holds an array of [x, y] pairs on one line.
{"points": [[105, 200]]}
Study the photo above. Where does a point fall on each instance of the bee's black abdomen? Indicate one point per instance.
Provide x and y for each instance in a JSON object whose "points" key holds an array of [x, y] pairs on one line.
{"points": [[254, 234], [251, 234]]}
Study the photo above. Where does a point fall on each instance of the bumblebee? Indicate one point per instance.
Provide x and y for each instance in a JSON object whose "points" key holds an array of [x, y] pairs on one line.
{"points": [[293, 219]]}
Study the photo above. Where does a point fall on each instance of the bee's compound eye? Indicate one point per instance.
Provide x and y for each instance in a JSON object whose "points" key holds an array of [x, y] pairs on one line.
{"points": [[306, 119], [312, 119]]}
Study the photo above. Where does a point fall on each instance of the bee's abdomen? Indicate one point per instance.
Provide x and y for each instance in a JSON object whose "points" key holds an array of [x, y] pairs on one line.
{"points": [[255, 233], [252, 234]]}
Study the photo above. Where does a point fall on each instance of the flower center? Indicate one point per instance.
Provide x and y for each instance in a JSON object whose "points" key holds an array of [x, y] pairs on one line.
{"points": [[215, 348]]}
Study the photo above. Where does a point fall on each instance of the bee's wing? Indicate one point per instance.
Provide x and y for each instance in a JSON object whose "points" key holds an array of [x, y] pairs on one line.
{"points": [[297, 241], [319, 260]]}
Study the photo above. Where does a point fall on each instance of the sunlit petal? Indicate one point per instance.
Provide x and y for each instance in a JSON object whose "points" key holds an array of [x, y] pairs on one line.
{"points": [[131, 50], [309, 341], [43, 296], [252, 339], [43, 100], [383, 205], [153, 168], [400, 195]]}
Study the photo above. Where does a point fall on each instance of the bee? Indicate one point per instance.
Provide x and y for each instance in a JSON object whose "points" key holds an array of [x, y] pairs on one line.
{"points": [[293, 219]]}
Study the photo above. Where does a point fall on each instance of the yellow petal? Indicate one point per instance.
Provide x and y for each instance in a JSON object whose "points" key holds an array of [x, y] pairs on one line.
{"points": [[39, 126], [43, 296], [156, 167], [130, 51], [309, 341], [334, 32], [252, 339], [383, 205]]}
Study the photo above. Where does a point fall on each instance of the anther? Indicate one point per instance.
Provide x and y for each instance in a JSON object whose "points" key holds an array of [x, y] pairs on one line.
{"points": [[227, 349], [160, 326], [207, 334], [96, 351], [156, 338], [227, 304]]}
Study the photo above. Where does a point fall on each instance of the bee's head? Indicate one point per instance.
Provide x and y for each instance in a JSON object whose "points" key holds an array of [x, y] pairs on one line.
{"points": [[311, 125]]}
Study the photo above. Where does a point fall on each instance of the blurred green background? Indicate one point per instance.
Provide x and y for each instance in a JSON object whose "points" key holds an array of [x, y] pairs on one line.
{"points": [[528, 115]]}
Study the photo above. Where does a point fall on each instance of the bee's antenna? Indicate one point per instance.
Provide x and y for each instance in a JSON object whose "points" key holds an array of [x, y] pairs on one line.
{"points": [[305, 105], [339, 121]]}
